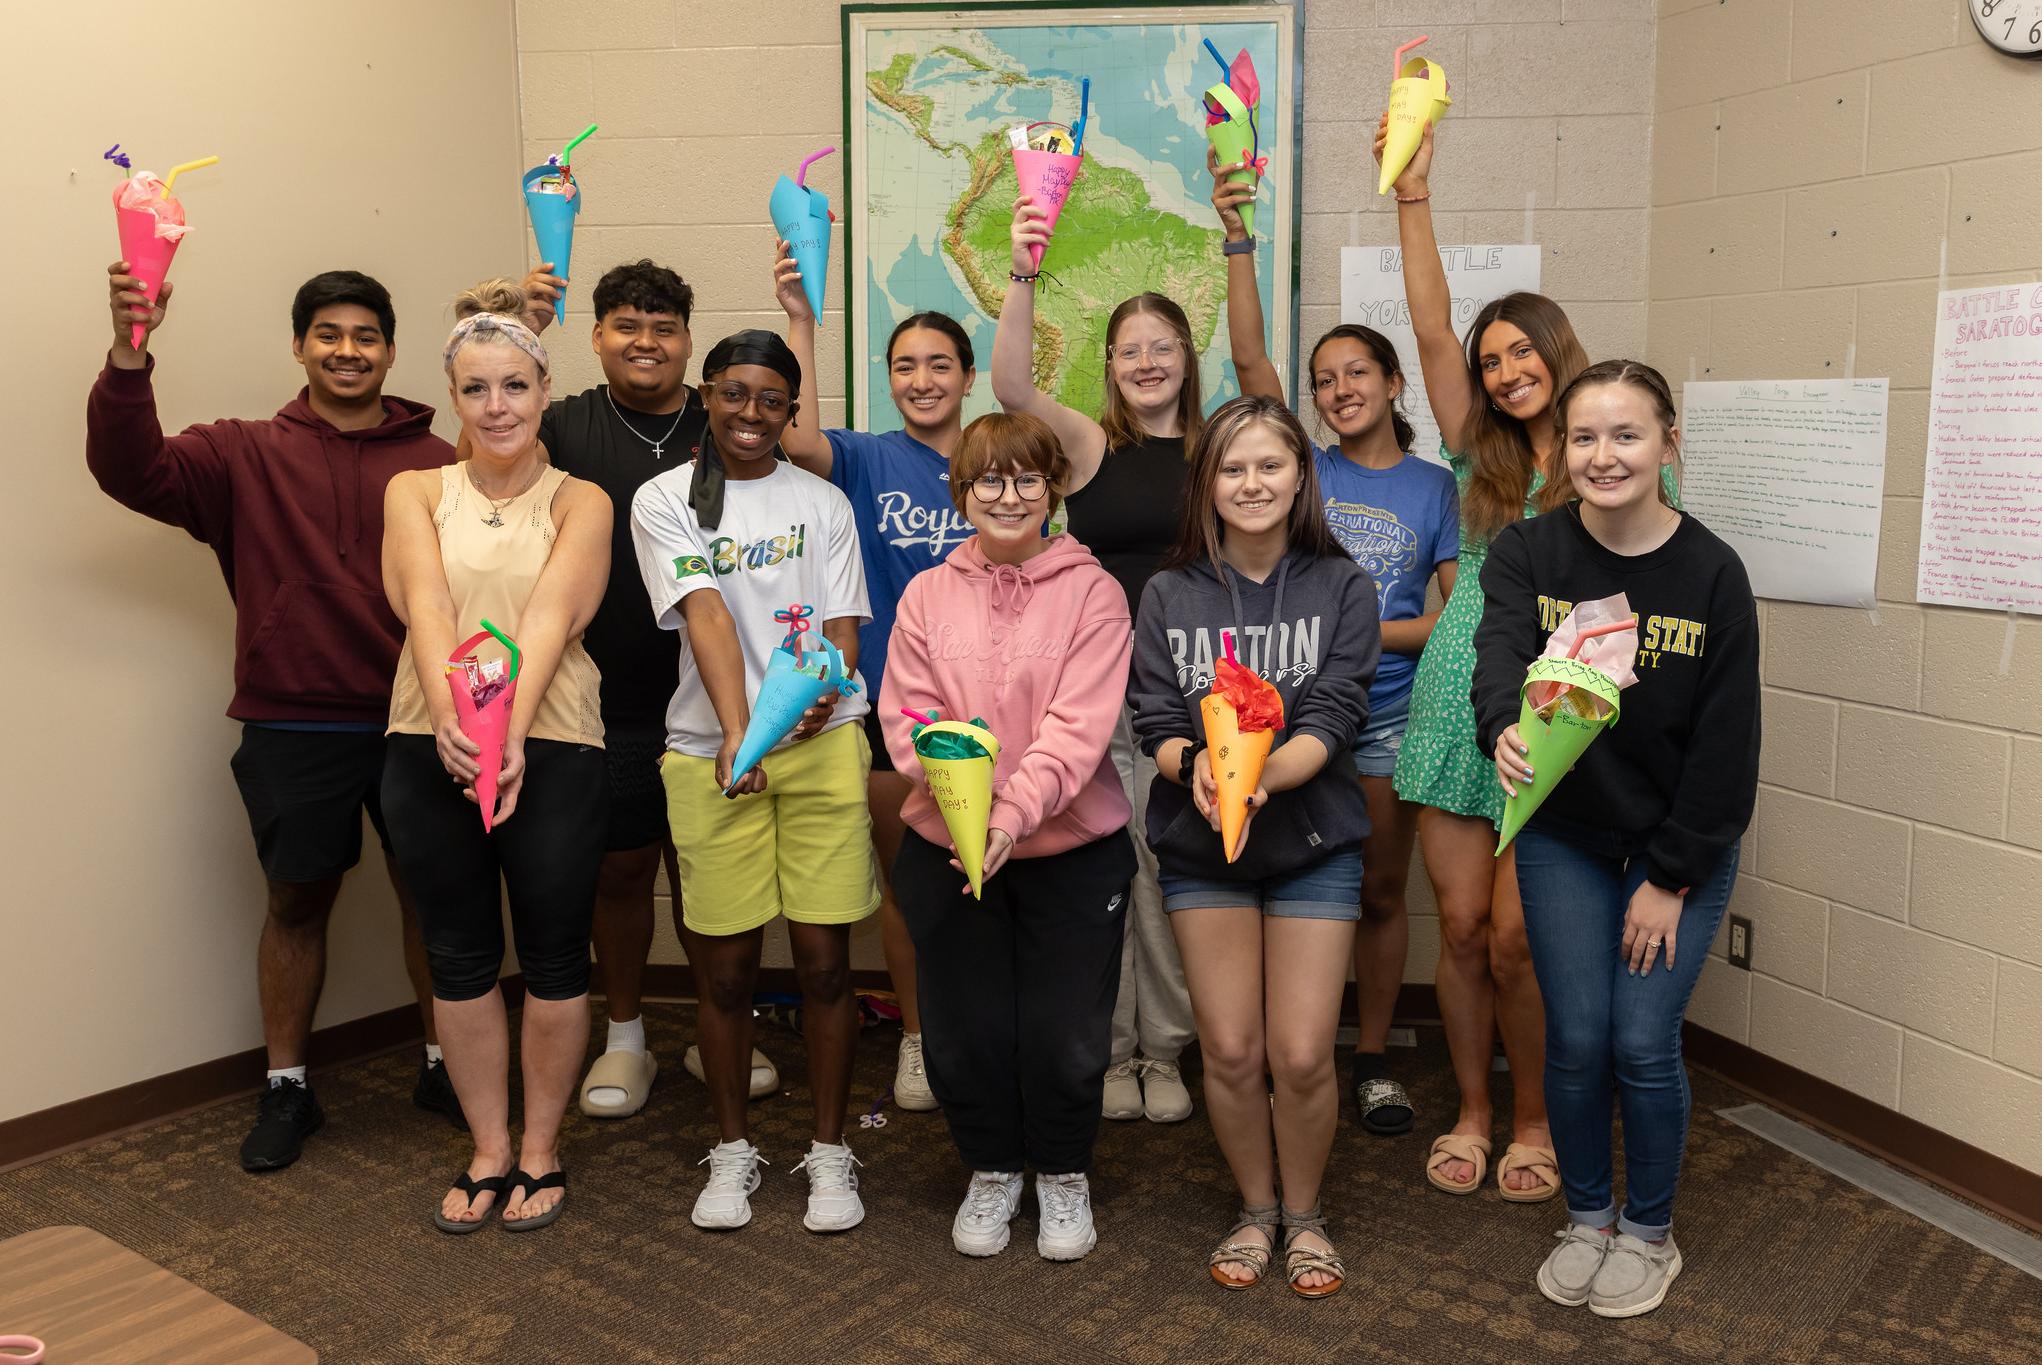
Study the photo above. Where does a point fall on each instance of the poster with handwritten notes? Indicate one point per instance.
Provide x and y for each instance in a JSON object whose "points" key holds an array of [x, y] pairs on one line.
{"points": [[1981, 509], [1790, 472]]}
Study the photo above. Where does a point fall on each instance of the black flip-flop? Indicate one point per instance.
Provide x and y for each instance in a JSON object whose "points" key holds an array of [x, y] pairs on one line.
{"points": [[497, 1185], [532, 1184]]}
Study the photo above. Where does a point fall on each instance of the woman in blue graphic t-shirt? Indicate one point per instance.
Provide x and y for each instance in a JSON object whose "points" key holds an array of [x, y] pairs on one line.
{"points": [[1399, 517], [899, 486]]}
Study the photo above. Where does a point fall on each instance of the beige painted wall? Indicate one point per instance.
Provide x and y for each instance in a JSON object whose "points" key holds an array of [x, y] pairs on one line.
{"points": [[133, 898], [656, 75], [1894, 872]]}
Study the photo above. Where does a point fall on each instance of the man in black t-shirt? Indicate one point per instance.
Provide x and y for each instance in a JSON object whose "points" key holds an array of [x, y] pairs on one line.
{"points": [[643, 421]]}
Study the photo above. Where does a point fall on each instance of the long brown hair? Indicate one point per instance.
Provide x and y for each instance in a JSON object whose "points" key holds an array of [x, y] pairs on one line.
{"points": [[1497, 444], [1119, 424], [1559, 489], [1199, 532]]}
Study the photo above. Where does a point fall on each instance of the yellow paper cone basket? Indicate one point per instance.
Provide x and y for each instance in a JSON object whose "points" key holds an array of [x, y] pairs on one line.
{"points": [[1417, 98], [963, 791]]}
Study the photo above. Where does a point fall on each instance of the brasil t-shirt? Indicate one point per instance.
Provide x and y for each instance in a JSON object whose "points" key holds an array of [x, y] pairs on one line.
{"points": [[785, 539]]}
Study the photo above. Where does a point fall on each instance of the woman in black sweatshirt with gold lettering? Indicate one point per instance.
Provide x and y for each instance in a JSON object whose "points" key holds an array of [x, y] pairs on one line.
{"points": [[1627, 866]]}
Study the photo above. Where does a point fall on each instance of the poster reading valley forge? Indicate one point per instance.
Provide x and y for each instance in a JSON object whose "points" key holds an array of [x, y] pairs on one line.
{"points": [[932, 93]]}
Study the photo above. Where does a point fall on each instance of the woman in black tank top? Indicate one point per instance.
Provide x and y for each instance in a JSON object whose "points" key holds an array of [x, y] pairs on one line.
{"points": [[1124, 501]]}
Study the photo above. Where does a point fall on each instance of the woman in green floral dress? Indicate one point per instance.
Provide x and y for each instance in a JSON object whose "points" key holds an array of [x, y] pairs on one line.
{"points": [[1493, 404]]}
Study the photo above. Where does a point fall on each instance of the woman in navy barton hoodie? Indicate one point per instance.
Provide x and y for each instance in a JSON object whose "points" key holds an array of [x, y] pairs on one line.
{"points": [[292, 508], [1265, 939]]}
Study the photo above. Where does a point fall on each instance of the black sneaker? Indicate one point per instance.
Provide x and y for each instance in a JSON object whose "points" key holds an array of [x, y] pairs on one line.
{"points": [[286, 1116], [435, 1091]]}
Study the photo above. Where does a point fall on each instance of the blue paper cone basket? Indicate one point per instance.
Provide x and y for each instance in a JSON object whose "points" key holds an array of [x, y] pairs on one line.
{"points": [[802, 216], [553, 226]]}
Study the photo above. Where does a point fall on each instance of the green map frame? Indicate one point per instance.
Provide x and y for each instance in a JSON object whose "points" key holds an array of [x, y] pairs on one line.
{"points": [[1285, 85]]}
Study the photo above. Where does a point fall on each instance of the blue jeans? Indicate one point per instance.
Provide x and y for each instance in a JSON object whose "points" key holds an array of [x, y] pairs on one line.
{"points": [[1604, 1025]]}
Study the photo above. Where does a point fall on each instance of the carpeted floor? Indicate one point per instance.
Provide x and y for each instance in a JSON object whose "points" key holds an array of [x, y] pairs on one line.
{"points": [[1784, 1263]]}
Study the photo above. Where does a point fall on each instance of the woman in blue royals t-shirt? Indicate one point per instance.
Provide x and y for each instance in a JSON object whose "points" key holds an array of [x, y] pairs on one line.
{"points": [[899, 486], [1399, 517]]}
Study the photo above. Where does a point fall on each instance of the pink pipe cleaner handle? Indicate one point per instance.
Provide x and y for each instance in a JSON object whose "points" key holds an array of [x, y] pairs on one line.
{"points": [[1397, 61], [801, 172]]}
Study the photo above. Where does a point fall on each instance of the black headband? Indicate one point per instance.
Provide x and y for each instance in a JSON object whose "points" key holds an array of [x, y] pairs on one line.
{"points": [[754, 347]]}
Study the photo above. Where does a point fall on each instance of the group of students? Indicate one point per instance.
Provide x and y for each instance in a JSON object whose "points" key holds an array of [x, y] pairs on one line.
{"points": [[650, 545]]}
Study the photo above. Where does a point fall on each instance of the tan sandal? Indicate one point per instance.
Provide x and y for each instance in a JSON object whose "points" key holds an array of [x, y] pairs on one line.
{"points": [[1458, 1147], [630, 1072], [1540, 1161], [1253, 1255], [1299, 1262]]}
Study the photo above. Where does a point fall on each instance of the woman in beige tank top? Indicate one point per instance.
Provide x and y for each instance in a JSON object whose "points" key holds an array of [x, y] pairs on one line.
{"points": [[506, 537]]}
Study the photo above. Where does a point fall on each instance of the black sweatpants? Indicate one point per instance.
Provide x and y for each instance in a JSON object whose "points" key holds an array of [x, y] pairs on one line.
{"points": [[547, 854], [1017, 995]]}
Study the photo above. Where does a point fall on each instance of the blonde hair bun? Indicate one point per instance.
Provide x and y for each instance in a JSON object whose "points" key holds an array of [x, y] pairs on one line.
{"points": [[497, 295]]}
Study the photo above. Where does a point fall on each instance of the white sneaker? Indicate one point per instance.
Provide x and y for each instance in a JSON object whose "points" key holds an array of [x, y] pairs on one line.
{"points": [[765, 1077], [910, 1081], [1164, 1098], [1122, 1098], [980, 1228], [1064, 1203], [725, 1202], [833, 1203]]}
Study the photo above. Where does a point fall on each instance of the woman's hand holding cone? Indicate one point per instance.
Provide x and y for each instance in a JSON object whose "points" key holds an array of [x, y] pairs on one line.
{"points": [[752, 783], [1411, 181], [1229, 195], [458, 753], [998, 845], [132, 307], [787, 286], [1510, 761], [1205, 794], [1030, 233], [1652, 922], [542, 289], [509, 781]]}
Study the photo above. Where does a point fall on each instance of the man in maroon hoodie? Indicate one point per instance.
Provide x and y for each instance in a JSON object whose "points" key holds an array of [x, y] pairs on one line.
{"points": [[293, 510]]}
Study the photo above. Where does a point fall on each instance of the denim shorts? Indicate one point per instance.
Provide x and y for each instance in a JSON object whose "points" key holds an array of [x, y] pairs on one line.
{"points": [[1377, 746], [1328, 889]]}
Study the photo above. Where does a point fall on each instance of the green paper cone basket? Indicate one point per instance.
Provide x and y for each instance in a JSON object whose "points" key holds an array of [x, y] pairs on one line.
{"points": [[1556, 745]]}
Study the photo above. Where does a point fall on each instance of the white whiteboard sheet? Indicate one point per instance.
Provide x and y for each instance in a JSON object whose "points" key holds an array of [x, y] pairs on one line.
{"points": [[1372, 294], [1981, 509], [1790, 472]]}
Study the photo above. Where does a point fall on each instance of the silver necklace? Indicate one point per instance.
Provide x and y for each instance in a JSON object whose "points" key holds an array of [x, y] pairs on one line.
{"points": [[659, 446], [495, 517]]}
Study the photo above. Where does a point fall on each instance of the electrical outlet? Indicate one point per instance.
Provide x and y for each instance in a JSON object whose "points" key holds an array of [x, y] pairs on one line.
{"points": [[1740, 942]]}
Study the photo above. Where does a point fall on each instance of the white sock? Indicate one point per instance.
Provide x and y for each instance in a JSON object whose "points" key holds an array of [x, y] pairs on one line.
{"points": [[734, 1145], [433, 1055], [818, 1145], [287, 1073], [626, 1035]]}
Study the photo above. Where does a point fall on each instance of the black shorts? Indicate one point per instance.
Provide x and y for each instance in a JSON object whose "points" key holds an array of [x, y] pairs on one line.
{"points": [[637, 796], [305, 791], [882, 761]]}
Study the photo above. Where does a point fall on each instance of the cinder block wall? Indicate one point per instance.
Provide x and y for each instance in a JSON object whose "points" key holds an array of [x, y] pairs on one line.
{"points": [[703, 105], [1811, 159]]}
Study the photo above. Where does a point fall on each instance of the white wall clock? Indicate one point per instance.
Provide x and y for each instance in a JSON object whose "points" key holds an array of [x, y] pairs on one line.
{"points": [[2012, 26]]}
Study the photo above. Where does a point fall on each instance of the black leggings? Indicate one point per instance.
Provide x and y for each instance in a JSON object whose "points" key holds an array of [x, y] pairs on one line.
{"points": [[547, 853]]}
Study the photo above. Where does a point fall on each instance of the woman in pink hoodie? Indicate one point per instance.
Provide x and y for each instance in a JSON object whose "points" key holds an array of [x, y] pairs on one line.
{"points": [[1032, 636]]}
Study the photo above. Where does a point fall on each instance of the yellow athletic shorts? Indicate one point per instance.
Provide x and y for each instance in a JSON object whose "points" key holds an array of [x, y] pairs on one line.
{"points": [[802, 848]]}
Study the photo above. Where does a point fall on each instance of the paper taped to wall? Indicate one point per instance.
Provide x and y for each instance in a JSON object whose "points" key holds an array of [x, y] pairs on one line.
{"points": [[1790, 473], [1981, 507]]}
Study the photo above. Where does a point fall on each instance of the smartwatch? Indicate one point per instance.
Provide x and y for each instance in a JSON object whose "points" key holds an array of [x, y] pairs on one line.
{"points": [[1240, 248]]}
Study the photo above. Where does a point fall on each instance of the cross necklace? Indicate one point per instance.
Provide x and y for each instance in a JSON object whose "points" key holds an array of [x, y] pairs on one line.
{"points": [[659, 446]]}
